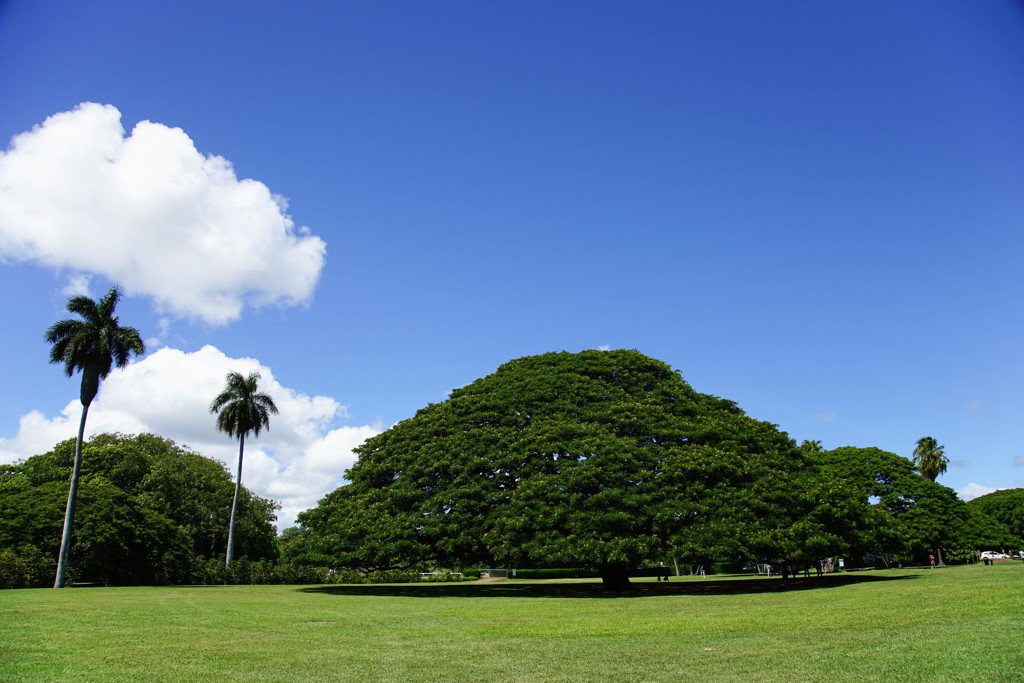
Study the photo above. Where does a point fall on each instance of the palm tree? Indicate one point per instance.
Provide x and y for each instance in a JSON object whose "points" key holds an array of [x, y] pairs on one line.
{"points": [[242, 409], [812, 446], [93, 345], [929, 458]]}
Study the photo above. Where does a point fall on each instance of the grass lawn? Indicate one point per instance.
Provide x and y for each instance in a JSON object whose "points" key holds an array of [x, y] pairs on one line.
{"points": [[955, 623]]}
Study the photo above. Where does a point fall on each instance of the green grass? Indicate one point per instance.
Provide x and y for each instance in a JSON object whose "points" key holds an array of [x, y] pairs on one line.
{"points": [[959, 623]]}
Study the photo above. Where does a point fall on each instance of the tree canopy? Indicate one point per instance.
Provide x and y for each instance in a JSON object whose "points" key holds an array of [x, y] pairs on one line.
{"points": [[149, 510], [913, 516], [600, 459], [1006, 506], [94, 343], [930, 457]]}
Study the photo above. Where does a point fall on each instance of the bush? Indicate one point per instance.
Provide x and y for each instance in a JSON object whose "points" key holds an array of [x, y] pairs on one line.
{"points": [[394, 576], [444, 576], [345, 576], [26, 568], [212, 572], [555, 574]]}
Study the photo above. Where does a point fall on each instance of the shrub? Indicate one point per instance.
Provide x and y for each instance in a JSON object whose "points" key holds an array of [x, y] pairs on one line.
{"points": [[26, 568], [555, 574], [394, 576], [345, 576]]}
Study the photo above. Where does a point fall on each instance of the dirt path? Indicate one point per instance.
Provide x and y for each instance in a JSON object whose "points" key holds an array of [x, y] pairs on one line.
{"points": [[490, 579]]}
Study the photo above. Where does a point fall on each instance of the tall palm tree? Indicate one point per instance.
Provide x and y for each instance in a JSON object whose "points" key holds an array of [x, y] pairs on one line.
{"points": [[241, 408], [929, 458], [93, 345]]}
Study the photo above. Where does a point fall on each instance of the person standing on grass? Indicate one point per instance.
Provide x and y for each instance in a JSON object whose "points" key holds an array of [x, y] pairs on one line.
{"points": [[931, 559]]}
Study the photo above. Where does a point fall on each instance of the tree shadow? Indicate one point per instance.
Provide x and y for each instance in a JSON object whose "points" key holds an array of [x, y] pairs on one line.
{"points": [[595, 589]]}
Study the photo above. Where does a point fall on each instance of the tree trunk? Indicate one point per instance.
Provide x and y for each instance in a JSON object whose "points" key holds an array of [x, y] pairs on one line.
{"points": [[234, 504], [69, 511], [676, 563], [90, 383], [615, 578], [941, 563]]}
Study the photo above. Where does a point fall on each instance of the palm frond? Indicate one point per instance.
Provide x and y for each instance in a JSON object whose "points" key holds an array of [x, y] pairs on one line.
{"points": [[241, 408], [97, 340]]}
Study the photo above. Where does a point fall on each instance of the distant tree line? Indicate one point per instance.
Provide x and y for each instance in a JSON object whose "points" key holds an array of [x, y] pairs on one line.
{"points": [[149, 512], [610, 461], [1006, 507], [910, 515]]}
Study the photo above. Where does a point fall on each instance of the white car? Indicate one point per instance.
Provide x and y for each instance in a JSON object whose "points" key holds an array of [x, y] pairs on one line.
{"points": [[993, 555]]}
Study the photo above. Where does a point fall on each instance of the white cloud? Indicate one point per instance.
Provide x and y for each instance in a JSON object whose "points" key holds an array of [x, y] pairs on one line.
{"points": [[77, 284], [150, 212], [975, 406], [297, 461], [973, 490], [825, 417]]}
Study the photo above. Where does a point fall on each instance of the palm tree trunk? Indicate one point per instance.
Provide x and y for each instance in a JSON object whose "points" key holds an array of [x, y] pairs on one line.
{"points": [[234, 504], [69, 511]]}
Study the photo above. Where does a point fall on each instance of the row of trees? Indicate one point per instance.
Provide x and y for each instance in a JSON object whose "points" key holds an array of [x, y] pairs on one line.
{"points": [[611, 461], [94, 343], [149, 512], [929, 457], [605, 460], [154, 512]]}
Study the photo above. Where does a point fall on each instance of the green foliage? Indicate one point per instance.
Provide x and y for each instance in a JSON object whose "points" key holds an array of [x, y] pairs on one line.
{"points": [[911, 515], [241, 408], [603, 460], [1007, 508], [94, 343], [149, 511], [25, 567], [261, 572], [929, 458], [343, 576], [393, 576], [550, 573]]}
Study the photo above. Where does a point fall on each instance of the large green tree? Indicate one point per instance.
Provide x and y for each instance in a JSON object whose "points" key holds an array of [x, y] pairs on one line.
{"points": [[241, 408], [607, 460], [913, 516], [929, 458], [149, 511], [1007, 507], [93, 344]]}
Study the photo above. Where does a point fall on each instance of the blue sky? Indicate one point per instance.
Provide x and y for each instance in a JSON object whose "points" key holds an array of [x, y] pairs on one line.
{"points": [[813, 209]]}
